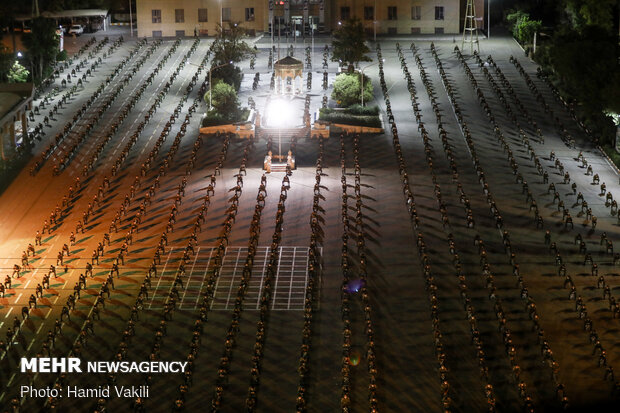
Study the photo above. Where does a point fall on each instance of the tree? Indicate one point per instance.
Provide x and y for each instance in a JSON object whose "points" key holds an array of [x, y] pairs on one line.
{"points": [[229, 73], [42, 45], [8, 11], [523, 28], [18, 73], [6, 60], [225, 101], [347, 89], [580, 57], [582, 13], [349, 44], [578, 61], [229, 44], [229, 48], [59, 5]]}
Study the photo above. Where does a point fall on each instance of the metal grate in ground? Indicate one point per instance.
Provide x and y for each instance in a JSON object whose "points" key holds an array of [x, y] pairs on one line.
{"points": [[289, 284]]}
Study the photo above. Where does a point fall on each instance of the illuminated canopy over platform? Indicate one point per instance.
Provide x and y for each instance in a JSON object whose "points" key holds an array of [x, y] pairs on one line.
{"points": [[288, 70]]}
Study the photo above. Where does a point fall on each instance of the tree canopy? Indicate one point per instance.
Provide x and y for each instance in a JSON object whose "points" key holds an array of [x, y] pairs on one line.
{"points": [[42, 45], [6, 61], [230, 44], [229, 48], [225, 101], [583, 13], [349, 44], [581, 58], [579, 54], [18, 74], [347, 88], [586, 64], [523, 28]]}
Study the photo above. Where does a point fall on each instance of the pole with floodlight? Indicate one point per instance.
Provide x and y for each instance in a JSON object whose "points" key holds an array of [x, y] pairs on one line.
{"points": [[312, 54], [130, 20], [489, 19], [364, 68], [374, 14]]}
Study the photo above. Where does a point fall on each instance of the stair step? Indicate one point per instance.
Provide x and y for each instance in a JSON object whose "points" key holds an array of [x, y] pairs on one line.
{"points": [[285, 132]]}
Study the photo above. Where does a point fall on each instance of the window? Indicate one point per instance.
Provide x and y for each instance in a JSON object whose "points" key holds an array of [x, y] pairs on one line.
{"points": [[179, 15], [392, 13], [345, 13], [249, 14], [179, 33], [439, 13], [156, 33], [416, 30], [156, 16], [438, 30], [392, 30], [203, 15], [369, 13], [226, 14], [416, 12]]}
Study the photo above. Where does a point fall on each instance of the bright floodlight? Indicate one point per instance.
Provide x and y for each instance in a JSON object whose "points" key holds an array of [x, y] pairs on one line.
{"points": [[280, 113]]}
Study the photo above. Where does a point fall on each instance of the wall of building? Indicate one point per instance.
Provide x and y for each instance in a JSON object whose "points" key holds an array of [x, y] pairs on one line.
{"points": [[169, 26], [404, 23]]}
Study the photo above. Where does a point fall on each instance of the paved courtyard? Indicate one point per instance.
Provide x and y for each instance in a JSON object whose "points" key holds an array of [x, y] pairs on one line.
{"points": [[436, 287]]}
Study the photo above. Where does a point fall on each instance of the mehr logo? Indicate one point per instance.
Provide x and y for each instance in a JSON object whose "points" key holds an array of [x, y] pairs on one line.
{"points": [[50, 365], [72, 365]]}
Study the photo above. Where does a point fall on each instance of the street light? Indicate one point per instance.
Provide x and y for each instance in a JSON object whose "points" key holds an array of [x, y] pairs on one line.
{"points": [[211, 85], [488, 19], [312, 54], [374, 23], [364, 68], [130, 20]]}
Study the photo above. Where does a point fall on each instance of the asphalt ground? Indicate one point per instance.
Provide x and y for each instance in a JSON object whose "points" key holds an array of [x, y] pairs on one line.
{"points": [[406, 361]]}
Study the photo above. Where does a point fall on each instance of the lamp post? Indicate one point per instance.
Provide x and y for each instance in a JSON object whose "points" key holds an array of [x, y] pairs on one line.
{"points": [[312, 53], [374, 23], [130, 20], [364, 68], [488, 19], [211, 85]]}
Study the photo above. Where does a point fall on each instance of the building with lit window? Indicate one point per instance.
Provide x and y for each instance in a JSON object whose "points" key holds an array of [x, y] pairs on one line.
{"points": [[157, 18]]}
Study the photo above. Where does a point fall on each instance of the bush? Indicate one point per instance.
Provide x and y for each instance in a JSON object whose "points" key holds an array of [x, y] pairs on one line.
{"points": [[215, 119], [611, 152], [346, 118], [61, 56], [347, 89], [225, 101], [523, 28], [363, 110]]}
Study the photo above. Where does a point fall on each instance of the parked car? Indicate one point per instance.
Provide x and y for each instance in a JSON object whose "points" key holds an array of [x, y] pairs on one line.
{"points": [[76, 29]]}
